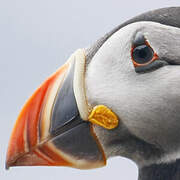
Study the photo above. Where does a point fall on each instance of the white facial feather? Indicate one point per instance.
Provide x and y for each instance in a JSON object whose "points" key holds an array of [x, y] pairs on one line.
{"points": [[148, 104]]}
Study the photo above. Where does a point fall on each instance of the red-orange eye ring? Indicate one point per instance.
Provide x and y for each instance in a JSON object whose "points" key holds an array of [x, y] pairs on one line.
{"points": [[143, 54]]}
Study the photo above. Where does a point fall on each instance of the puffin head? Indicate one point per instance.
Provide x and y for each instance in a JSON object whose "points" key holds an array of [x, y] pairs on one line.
{"points": [[135, 73], [132, 73]]}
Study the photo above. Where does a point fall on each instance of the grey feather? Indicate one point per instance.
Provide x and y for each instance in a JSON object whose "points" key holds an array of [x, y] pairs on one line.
{"points": [[148, 104], [167, 16]]}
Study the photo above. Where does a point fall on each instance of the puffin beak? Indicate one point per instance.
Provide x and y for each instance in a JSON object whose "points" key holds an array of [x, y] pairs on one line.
{"points": [[52, 128]]}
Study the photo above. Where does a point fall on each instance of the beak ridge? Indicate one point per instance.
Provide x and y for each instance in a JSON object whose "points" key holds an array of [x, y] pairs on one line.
{"points": [[49, 121]]}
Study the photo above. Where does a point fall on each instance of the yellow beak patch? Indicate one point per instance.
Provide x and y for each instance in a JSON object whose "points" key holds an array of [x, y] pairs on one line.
{"points": [[103, 116]]}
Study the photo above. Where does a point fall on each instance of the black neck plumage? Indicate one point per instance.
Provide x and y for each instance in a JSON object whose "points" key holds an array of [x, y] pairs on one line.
{"points": [[169, 171]]}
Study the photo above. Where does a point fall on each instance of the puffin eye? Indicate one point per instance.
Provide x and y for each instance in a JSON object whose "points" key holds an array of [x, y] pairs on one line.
{"points": [[142, 54]]}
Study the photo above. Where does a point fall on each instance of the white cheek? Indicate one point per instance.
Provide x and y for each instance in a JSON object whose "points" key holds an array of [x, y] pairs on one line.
{"points": [[109, 67], [148, 104]]}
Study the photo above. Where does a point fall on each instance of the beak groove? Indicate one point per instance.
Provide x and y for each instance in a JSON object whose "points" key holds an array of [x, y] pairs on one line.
{"points": [[50, 130]]}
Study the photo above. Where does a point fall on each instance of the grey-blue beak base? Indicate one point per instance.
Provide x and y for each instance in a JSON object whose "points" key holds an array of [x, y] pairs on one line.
{"points": [[70, 133]]}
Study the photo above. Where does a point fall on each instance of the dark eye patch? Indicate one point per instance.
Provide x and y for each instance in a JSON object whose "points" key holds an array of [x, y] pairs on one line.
{"points": [[151, 67], [139, 39]]}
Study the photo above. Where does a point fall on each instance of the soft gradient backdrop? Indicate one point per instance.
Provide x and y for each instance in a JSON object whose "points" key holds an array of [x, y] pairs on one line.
{"points": [[36, 37]]}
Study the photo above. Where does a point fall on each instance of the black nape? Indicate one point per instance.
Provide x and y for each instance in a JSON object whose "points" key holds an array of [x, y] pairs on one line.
{"points": [[165, 171]]}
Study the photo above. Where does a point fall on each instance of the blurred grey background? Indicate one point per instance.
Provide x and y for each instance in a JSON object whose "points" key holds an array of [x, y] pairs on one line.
{"points": [[36, 37]]}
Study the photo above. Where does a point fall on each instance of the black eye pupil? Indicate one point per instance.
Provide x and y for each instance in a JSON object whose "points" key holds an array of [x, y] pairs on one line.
{"points": [[142, 54]]}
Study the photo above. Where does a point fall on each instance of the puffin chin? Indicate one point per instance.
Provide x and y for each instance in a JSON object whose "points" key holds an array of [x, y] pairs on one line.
{"points": [[52, 127]]}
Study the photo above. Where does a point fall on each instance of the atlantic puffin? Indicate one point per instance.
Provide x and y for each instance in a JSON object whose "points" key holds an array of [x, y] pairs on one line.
{"points": [[118, 97]]}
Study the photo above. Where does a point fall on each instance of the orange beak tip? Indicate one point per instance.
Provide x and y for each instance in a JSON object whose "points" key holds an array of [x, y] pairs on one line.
{"points": [[49, 130]]}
